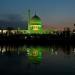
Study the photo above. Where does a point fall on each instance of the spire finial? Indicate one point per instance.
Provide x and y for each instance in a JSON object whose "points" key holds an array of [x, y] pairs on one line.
{"points": [[35, 12]]}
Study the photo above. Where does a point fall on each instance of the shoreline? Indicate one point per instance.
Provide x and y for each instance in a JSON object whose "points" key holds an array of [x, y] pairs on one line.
{"points": [[37, 39]]}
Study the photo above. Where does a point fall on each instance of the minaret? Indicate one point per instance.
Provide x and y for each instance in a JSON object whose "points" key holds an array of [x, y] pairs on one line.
{"points": [[29, 20]]}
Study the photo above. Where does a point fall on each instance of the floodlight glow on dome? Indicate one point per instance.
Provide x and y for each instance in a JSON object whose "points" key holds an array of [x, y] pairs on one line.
{"points": [[35, 24]]}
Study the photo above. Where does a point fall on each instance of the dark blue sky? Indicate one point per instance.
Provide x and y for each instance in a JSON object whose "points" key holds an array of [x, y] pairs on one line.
{"points": [[58, 12]]}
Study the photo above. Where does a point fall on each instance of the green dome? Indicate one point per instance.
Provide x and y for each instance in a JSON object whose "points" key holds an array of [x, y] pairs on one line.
{"points": [[35, 17], [35, 24], [35, 20]]}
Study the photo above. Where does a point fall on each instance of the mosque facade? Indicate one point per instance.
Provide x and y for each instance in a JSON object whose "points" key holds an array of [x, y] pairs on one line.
{"points": [[34, 27], [35, 24]]}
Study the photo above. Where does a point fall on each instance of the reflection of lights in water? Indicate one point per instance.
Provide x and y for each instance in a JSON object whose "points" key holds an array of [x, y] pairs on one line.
{"points": [[25, 37], [53, 52], [28, 51], [0, 49], [74, 50], [31, 36], [0, 31], [18, 52], [34, 55], [56, 52], [3, 50]]}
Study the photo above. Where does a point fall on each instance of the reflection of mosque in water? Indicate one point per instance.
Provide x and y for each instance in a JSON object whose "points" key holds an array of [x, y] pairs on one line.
{"points": [[36, 54], [33, 54]]}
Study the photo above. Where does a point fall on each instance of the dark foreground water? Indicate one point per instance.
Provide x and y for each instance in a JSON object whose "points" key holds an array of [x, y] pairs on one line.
{"points": [[35, 60]]}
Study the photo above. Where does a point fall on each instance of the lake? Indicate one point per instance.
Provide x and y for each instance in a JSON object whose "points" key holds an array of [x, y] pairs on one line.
{"points": [[26, 59]]}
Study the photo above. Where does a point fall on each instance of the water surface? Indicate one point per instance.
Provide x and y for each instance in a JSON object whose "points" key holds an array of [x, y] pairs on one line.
{"points": [[37, 59]]}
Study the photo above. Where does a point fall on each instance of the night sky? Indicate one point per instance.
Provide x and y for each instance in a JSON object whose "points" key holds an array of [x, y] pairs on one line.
{"points": [[52, 12]]}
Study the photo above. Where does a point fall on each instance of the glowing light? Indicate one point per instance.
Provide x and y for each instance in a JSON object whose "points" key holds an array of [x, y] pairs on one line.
{"points": [[3, 50], [35, 55], [35, 25], [4, 31], [13, 31], [56, 52], [25, 37], [0, 31], [0, 49]]}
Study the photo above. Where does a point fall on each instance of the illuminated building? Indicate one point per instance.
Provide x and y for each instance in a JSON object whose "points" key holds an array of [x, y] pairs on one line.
{"points": [[35, 24]]}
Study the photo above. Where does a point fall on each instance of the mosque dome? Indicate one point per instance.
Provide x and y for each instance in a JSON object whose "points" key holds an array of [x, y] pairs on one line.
{"points": [[35, 20], [35, 24], [35, 17]]}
